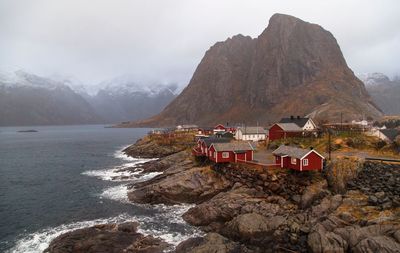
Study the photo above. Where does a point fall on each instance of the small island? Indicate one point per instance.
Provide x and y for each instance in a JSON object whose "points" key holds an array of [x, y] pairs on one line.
{"points": [[28, 131]]}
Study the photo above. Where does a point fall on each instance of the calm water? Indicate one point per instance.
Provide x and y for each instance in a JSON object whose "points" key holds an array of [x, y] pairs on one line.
{"points": [[59, 179]]}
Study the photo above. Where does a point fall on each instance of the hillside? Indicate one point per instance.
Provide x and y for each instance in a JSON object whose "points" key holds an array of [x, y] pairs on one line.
{"points": [[292, 68]]}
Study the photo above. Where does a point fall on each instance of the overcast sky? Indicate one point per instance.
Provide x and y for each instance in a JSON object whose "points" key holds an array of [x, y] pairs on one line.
{"points": [[164, 40]]}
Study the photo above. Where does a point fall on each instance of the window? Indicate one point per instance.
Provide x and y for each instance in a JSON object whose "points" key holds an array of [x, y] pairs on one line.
{"points": [[305, 162], [210, 153], [215, 155], [225, 154], [294, 161]]}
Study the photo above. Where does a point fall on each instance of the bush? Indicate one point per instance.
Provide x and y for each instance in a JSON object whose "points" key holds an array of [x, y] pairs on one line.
{"points": [[355, 142], [379, 144]]}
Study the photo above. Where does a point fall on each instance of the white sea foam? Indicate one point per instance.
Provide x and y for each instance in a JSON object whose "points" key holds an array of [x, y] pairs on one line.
{"points": [[168, 216], [39, 241], [118, 193]]}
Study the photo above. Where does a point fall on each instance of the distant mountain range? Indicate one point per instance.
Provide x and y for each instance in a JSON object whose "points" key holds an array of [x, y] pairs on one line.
{"points": [[385, 92], [292, 68], [28, 99]]}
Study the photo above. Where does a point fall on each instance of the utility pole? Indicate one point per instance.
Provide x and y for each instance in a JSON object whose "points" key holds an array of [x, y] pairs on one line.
{"points": [[341, 121], [329, 144]]}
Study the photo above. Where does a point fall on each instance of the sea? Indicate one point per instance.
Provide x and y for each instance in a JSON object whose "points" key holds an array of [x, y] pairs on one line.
{"points": [[61, 178]]}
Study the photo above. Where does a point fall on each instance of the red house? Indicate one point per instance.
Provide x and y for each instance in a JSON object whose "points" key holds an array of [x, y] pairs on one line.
{"points": [[284, 130], [298, 158], [203, 145], [219, 128], [230, 152]]}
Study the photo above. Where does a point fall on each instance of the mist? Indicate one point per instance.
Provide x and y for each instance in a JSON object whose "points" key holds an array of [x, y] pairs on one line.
{"points": [[163, 41]]}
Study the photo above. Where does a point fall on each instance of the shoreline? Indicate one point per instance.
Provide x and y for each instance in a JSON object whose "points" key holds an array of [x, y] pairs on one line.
{"points": [[238, 208]]}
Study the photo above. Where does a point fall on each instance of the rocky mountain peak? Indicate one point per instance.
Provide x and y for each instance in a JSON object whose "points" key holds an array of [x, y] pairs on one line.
{"points": [[292, 68]]}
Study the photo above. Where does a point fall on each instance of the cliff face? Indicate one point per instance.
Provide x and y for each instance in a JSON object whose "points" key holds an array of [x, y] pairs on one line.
{"points": [[292, 68]]}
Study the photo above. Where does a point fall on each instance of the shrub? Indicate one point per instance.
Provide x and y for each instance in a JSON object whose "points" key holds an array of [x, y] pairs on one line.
{"points": [[355, 142], [379, 144]]}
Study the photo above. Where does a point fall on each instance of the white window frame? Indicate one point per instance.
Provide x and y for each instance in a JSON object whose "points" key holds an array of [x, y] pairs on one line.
{"points": [[305, 162], [293, 160], [225, 155]]}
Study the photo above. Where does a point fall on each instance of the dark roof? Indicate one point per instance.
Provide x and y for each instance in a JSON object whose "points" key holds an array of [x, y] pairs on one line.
{"points": [[289, 127], [390, 133], [233, 146], [297, 120], [211, 140], [291, 151]]}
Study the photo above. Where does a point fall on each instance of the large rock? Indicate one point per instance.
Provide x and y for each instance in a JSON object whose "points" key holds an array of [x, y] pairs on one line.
{"points": [[314, 192], [227, 205], [252, 227], [107, 238], [190, 186], [152, 147], [322, 241], [211, 243]]}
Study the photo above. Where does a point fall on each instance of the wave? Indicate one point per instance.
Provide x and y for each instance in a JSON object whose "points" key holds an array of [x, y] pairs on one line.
{"points": [[39, 241]]}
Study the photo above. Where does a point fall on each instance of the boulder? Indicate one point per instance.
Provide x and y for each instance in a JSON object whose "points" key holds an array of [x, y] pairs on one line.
{"points": [[252, 227], [212, 242], [193, 185], [314, 192], [106, 238]]}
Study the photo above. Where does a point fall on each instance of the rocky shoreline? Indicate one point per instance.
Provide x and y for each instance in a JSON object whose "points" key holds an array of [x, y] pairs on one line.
{"points": [[352, 207]]}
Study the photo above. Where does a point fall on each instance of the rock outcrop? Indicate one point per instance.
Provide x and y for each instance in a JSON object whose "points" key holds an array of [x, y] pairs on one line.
{"points": [[292, 68], [107, 238]]}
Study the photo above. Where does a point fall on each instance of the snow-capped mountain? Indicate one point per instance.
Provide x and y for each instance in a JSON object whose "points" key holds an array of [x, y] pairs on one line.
{"points": [[384, 92], [371, 79], [122, 99], [28, 99]]}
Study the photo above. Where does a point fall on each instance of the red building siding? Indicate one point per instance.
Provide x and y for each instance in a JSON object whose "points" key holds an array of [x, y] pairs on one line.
{"points": [[276, 133], [315, 162]]}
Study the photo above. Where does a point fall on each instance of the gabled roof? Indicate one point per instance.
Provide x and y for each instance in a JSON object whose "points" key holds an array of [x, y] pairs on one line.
{"points": [[295, 152], [252, 130], [298, 121], [233, 146], [290, 127], [211, 140], [391, 134]]}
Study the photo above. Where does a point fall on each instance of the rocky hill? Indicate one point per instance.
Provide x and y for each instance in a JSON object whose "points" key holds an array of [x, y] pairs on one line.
{"points": [[384, 91], [292, 68]]}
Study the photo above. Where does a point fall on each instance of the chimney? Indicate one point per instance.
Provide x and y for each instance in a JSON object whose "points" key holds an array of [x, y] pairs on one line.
{"points": [[291, 117], [311, 148], [298, 117]]}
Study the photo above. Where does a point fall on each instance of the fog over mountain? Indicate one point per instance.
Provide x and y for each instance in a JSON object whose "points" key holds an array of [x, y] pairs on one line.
{"points": [[28, 99], [163, 41], [384, 91]]}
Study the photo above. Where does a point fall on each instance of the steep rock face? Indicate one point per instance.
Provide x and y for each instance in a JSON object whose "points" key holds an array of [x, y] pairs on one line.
{"points": [[292, 68]]}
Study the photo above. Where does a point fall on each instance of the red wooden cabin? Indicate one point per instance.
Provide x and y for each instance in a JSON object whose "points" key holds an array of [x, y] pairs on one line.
{"points": [[298, 158], [203, 145], [284, 130], [230, 152]]}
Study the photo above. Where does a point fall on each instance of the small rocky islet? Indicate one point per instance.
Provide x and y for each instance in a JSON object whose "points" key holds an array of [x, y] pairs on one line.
{"points": [[353, 206]]}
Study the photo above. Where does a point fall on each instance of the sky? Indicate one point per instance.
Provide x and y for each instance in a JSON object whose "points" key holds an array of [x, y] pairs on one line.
{"points": [[164, 40]]}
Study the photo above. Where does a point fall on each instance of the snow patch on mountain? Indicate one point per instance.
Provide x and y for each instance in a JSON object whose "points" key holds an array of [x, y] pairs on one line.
{"points": [[373, 79]]}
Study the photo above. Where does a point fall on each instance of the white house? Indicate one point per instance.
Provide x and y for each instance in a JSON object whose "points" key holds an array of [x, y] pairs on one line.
{"points": [[251, 133], [388, 135], [306, 124]]}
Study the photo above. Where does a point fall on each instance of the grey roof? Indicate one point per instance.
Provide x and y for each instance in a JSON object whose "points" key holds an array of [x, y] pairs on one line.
{"points": [[210, 140], [291, 151], [298, 121], [390, 133], [290, 127], [253, 130], [233, 146]]}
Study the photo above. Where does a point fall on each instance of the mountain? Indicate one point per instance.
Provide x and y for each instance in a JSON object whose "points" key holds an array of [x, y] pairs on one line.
{"points": [[27, 99], [122, 99], [384, 92], [292, 68]]}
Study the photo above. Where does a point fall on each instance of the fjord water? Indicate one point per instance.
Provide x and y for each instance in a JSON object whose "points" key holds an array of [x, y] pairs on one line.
{"points": [[60, 178]]}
